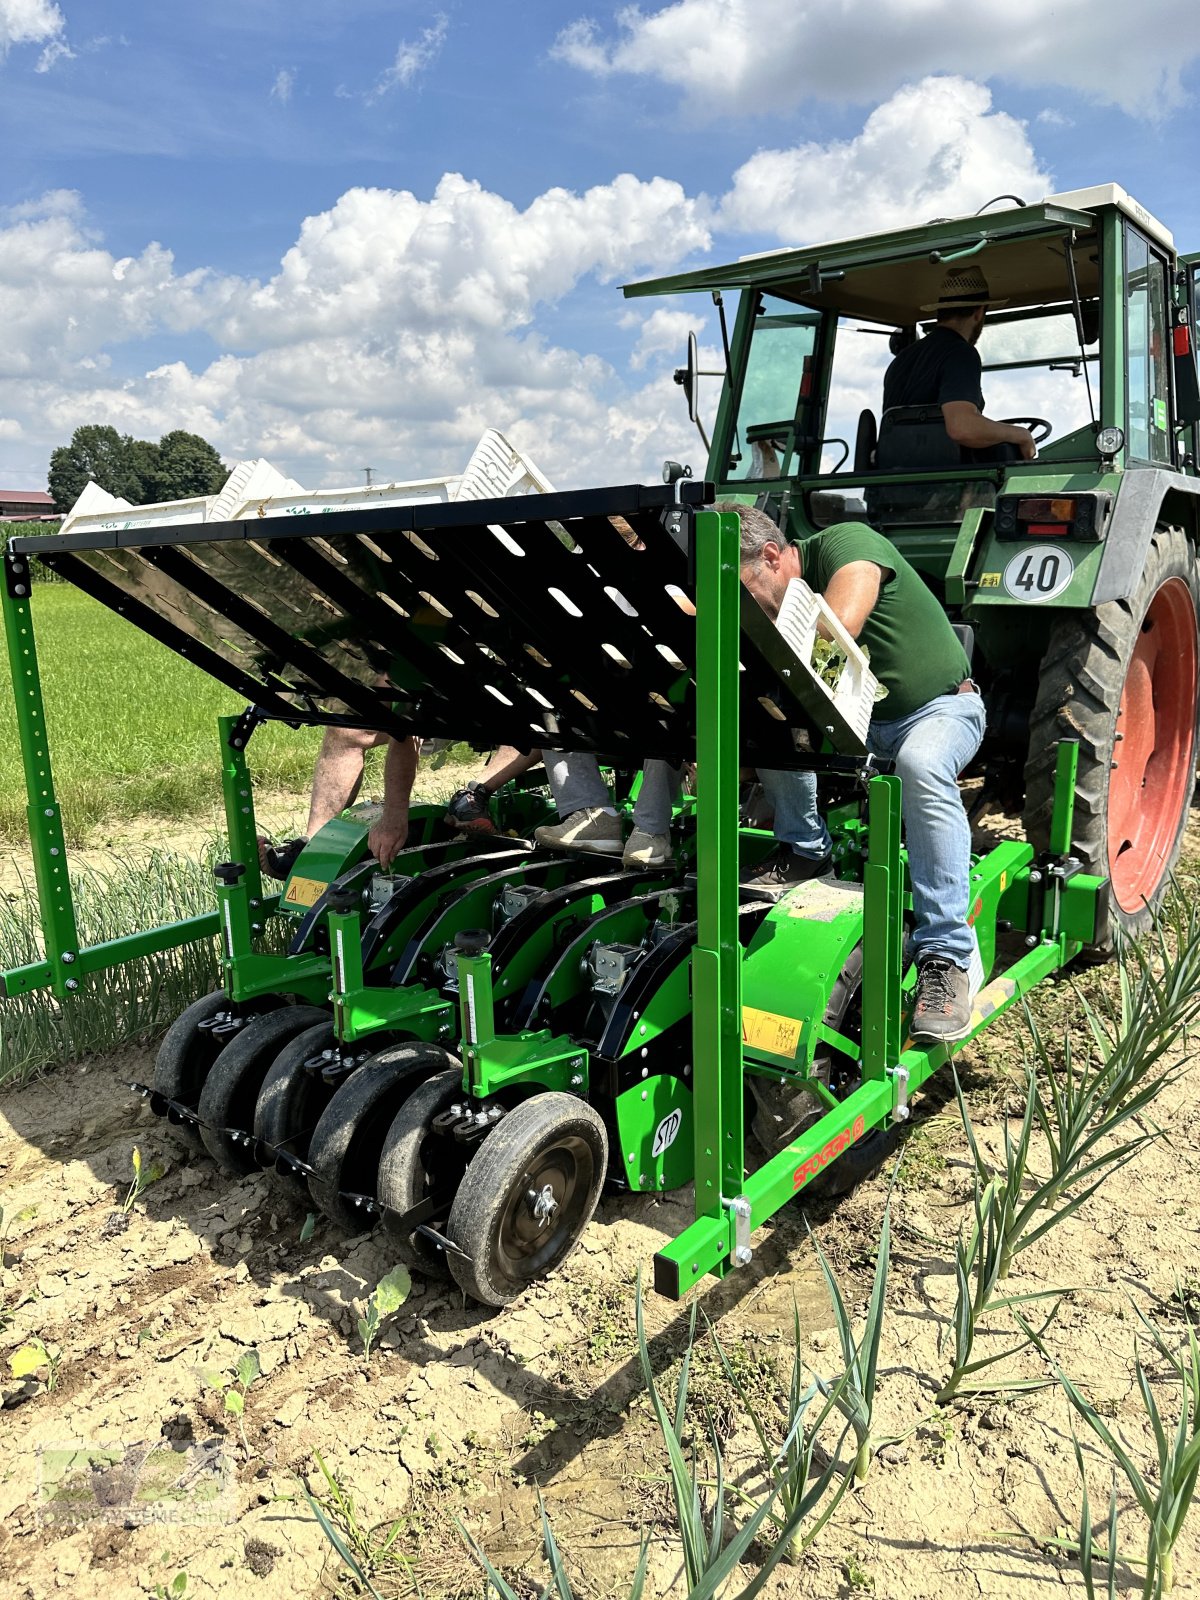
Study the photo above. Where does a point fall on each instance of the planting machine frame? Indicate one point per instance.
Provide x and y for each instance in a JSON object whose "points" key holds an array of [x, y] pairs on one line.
{"points": [[468, 1046]]}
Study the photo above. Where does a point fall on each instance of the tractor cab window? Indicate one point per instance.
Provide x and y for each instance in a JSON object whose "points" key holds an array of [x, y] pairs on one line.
{"points": [[1149, 432], [776, 397]]}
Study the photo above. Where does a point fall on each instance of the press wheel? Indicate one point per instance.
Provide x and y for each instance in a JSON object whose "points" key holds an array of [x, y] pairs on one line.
{"points": [[416, 1161], [230, 1094], [527, 1196], [291, 1100], [348, 1139], [186, 1056]]}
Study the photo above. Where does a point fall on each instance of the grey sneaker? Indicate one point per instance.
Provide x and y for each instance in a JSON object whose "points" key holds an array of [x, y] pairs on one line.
{"points": [[592, 829], [782, 870], [647, 849], [942, 1011]]}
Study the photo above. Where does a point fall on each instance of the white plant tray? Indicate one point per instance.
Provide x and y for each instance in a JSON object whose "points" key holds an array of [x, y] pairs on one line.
{"points": [[800, 616]]}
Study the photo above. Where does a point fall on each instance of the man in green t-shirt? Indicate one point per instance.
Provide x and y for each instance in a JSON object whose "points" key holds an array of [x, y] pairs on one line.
{"points": [[929, 725]]}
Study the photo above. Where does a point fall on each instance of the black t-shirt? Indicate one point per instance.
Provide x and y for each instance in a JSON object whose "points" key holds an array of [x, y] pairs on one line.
{"points": [[940, 368]]}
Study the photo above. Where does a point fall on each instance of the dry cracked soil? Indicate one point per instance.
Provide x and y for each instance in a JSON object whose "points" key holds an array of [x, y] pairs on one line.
{"points": [[462, 1415]]}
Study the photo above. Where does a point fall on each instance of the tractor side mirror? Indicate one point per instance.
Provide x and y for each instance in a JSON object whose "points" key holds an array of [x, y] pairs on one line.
{"points": [[686, 376]]}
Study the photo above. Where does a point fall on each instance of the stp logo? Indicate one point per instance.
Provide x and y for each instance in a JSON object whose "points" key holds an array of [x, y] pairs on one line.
{"points": [[840, 1141]]}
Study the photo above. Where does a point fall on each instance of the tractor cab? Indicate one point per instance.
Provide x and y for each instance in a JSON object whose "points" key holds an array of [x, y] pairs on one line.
{"points": [[1079, 347]]}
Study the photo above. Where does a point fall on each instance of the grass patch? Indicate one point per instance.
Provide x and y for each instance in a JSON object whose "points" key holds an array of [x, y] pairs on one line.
{"points": [[132, 726], [126, 1003]]}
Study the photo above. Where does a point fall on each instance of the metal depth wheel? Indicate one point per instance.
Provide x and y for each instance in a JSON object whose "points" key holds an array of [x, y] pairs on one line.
{"points": [[348, 1140], [230, 1094], [527, 1196], [1122, 680], [186, 1056], [417, 1162]]}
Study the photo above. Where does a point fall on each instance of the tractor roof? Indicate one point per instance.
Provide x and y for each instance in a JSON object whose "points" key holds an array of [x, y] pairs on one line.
{"points": [[888, 277]]}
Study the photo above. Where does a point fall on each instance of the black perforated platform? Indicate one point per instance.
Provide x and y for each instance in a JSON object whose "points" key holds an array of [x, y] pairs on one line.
{"points": [[558, 620]]}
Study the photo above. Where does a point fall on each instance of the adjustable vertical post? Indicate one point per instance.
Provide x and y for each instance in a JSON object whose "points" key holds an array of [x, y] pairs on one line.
{"points": [[883, 931], [238, 793], [46, 839], [717, 957], [1062, 818]]}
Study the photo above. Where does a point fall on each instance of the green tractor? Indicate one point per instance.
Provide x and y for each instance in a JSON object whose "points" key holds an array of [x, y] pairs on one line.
{"points": [[1074, 576]]}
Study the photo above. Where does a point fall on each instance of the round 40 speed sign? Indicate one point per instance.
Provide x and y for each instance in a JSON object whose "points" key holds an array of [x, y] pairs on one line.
{"points": [[1040, 572]]}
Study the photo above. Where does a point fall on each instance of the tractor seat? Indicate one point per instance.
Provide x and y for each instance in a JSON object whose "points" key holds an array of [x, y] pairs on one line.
{"points": [[914, 439]]}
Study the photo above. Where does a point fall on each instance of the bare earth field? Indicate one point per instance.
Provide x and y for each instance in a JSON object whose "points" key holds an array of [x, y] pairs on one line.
{"points": [[462, 1412], [466, 1413]]}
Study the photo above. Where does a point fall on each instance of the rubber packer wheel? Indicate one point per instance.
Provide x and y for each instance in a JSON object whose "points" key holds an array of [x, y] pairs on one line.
{"points": [[1122, 680], [348, 1139], [291, 1100], [230, 1092], [415, 1161], [185, 1059], [527, 1196]]}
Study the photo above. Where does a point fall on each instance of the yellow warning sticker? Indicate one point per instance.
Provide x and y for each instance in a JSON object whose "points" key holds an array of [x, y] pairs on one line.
{"points": [[304, 892], [990, 580], [766, 1030], [1003, 882]]}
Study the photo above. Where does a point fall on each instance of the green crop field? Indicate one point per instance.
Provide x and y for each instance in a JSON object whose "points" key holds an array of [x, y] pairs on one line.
{"points": [[132, 726]]}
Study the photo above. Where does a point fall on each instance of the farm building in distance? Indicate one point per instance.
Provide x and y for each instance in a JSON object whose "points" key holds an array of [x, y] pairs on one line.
{"points": [[26, 505]]}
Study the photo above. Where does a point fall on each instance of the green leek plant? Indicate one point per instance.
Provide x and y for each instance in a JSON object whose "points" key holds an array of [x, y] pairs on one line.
{"points": [[1166, 1496], [789, 1468], [1087, 1552], [854, 1395]]}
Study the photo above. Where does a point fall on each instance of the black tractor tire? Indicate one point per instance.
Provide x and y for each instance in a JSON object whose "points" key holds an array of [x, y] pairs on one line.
{"points": [[416, 1160], [551, 1140], [1121, 680], [348, 1140], [185, 1059], [230, 1094]]}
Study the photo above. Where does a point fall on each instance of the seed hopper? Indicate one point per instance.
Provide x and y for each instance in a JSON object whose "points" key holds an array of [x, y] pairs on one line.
{"points": [[468, 1048]]}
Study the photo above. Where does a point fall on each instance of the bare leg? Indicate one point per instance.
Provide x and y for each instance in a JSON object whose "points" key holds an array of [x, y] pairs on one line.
{"points": [[337, 776], [508, 763]]}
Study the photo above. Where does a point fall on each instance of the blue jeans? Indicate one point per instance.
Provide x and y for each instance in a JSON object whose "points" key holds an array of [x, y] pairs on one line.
{"points": [[576, 785], [929, 748], [793, 795]]}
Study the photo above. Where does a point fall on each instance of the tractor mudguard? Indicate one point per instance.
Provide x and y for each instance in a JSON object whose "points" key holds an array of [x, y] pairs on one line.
{"points": [[1134, 518]]}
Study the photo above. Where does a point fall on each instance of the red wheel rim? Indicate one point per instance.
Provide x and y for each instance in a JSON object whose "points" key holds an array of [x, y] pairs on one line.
{"points": [[1151, 778]]}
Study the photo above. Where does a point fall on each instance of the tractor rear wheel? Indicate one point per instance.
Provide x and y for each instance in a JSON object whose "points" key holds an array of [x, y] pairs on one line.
{"points": [[416, 1162], [230, 1094], [1122, 680], [527, 1196]]}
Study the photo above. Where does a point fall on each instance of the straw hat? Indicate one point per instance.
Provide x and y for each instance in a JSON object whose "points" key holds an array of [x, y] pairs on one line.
{"points": [[964, 288]]}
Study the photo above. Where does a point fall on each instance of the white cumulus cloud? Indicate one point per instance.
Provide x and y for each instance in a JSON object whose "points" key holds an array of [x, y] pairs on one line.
{"points": [[936, 148], [29, 22], [749, 56], [285, 82]]}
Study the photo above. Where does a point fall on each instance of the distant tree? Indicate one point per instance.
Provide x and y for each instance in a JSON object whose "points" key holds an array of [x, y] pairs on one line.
{"points": [[186, 465], [95, 451], [180, 465]]}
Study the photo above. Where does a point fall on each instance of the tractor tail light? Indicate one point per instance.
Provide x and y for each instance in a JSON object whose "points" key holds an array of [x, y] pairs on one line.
{"points": [[1029, 516], [1183, 339]]}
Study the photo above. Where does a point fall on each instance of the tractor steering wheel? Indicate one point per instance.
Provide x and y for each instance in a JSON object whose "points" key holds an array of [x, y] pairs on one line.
{"points": [[1033, 424]]}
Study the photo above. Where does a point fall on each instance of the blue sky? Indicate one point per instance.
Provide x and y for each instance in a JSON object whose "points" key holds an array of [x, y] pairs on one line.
{"points": [[237, 217]]}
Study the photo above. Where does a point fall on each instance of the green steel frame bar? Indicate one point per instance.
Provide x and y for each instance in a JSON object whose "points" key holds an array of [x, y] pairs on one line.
{"points": [[717, 957], [66, 964]]}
